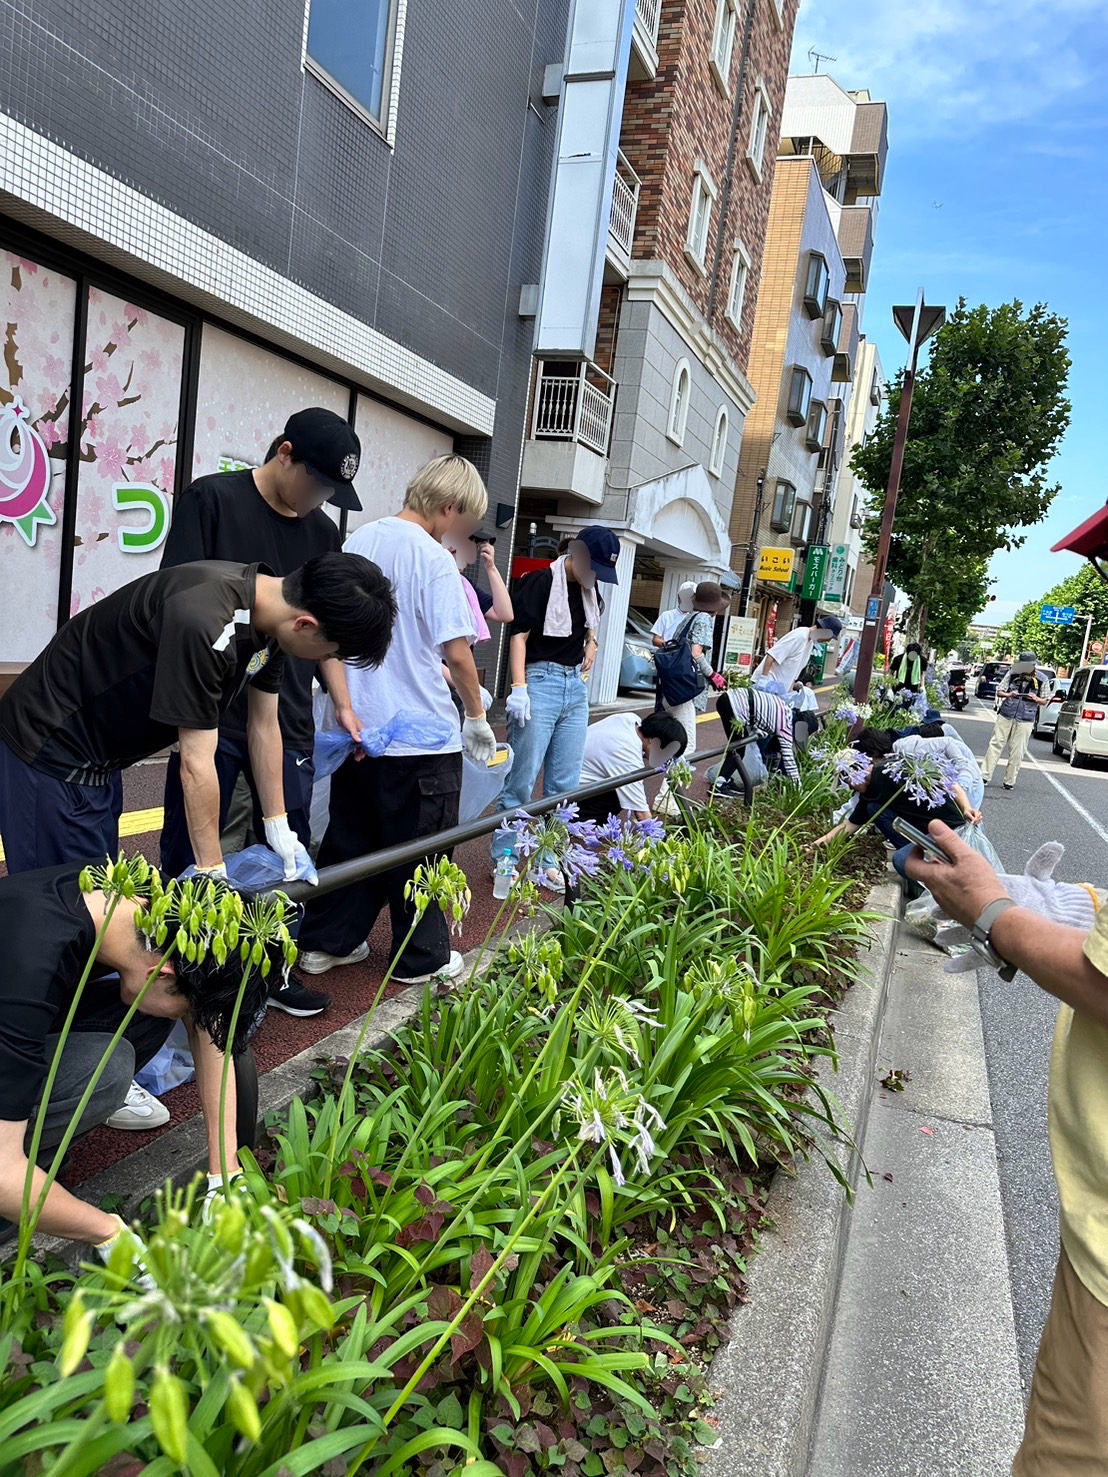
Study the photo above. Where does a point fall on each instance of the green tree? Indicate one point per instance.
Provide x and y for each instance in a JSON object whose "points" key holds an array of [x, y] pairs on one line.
{"points": [[987, 415], [1060, 646]]}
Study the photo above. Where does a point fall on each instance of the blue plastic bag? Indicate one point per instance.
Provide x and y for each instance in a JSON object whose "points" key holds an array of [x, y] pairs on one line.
{"points": [[257, 869], [417, 730], [171, 1066], [331, 752]]}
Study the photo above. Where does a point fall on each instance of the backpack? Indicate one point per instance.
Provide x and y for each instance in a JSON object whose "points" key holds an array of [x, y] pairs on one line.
{"points": [[676, 675]]}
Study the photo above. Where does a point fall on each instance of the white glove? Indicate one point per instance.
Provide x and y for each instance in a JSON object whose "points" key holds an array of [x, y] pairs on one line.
{"points": [[479, 739], [281, 838], [1035, 888], [236, 1184], [486, 699], [519, 705], [103, 1249]]}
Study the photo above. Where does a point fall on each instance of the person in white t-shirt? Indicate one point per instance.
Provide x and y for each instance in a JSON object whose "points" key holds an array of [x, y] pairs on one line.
{"points": [[667, 624], [788, 656], [414, 788], [620, 745]]}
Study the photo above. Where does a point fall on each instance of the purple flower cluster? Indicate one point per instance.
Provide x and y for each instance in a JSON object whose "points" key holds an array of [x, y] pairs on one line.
{"points": [[579, 848], [846, 714], [927, 779], [851, 768]]}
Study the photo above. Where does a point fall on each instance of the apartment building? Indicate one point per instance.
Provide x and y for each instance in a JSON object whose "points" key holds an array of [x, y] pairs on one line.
{"points": [[646, 306], [849, 575], [805, 356], [211, 216]]}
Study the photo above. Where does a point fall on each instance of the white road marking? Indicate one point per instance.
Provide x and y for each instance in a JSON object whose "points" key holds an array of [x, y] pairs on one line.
{"points": [[1082, 812]]}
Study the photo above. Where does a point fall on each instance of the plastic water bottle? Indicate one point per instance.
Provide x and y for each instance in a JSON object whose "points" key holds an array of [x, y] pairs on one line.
{"points": [[504, 876]]}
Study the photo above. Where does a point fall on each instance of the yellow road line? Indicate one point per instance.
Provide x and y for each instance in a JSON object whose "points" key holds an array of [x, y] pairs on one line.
{"points": [[133, 823]]}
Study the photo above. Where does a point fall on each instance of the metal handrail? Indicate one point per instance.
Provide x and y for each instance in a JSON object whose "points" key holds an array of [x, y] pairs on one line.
{"points": [[342, 874]]}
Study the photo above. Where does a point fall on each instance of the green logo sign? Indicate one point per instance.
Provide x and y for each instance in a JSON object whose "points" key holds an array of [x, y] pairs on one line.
{"points": [[134, 497], [814, 571], [835, 585]]}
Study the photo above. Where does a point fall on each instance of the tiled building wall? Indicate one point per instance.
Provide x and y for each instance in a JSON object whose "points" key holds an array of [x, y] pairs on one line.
{"points": [[682, 118], [208, 109]]}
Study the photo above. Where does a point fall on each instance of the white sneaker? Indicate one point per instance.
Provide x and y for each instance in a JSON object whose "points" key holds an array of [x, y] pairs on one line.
{"points": [[315, 961], [450, 970], [140, 1110]]}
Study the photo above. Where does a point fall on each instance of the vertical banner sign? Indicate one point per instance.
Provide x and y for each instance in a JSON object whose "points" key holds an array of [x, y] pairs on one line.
{"points": [[740, 642], [890, 626], [814, 571], [771, 624], [834, 586]]}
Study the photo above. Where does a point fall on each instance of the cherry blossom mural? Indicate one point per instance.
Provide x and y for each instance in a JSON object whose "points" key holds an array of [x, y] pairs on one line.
{"points": [[128, 444], [37, 325]]}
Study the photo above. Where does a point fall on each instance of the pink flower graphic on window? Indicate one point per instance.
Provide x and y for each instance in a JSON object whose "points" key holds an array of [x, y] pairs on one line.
{"points": [[108, 390], [93, 429], [98, 362], [50, 433], [111, 458], [138, 314], [31, 268], [166, 469], [121, 335], [167, 432], [97, 594], [55, 369], [151, 360], [138, 438], [92, 509]]}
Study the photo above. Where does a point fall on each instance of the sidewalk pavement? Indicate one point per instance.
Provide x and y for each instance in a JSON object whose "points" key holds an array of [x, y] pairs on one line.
{"points": [[921, 1377]]}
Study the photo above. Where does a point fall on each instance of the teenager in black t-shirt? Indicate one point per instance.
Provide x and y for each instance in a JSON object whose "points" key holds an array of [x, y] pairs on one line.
{"points": [[158, 662], [273, 514], [49, 927]]}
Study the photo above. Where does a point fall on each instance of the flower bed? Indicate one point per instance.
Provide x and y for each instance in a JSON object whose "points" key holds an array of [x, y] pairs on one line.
{"points": [[510, 1244]]}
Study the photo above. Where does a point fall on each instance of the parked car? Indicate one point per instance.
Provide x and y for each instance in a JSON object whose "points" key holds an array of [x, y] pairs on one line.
{"points": [[636, 670], [1081, 728], [1047, 720], [992, 674]]}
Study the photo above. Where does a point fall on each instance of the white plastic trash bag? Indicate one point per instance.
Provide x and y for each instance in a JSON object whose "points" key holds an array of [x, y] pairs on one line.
{"points": [[483, 784]]}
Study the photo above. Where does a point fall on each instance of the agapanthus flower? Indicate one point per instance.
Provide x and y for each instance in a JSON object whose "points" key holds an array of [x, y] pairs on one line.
{"points": [[846, 714], [928, 779], [678, 773], [611, 1112], [850, 768], [650, 830]]}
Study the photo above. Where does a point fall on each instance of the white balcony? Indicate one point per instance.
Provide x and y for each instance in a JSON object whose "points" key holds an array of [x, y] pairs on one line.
{"points": [[644, 49], [625, 209], [567, 451]]}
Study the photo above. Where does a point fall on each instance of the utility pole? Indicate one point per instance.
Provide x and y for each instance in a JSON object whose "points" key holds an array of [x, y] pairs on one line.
{"points": [[917, 325], [1085, 643]]}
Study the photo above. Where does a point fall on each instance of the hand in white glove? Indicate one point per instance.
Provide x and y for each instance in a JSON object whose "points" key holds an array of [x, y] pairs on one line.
{"points": [[479, 739], [519, 705], [1037, 889], [486, 699], [281, 838], [236, 1185], [103, 1249]]}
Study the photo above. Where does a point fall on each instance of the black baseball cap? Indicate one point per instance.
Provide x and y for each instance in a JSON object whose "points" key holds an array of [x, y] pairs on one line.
{"points": [[330, 450], [603, 547]]}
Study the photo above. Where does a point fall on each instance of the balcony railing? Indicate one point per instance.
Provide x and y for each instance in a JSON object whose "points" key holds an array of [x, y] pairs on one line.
{"points": [[649, 13], [625, 208], [573, 406]]}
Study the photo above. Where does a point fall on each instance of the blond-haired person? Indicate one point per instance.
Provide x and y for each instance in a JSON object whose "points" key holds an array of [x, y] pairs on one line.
{"points": [[410, 791]]}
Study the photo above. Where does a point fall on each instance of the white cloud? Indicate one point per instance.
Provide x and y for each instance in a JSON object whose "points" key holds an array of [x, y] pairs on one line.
{"points": [[956, 66]]}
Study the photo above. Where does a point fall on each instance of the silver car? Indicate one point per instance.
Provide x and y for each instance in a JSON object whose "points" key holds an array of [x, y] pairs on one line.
{"points": [[636, 670], [1047, 719]]}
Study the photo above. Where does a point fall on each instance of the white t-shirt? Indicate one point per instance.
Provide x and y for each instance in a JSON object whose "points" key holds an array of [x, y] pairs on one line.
{"points": [[613, 747], [791, 654], [431, 609], [669, 623]]}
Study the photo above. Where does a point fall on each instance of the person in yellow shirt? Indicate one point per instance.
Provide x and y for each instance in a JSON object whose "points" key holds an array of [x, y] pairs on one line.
{"points": [[1066, 1429]]}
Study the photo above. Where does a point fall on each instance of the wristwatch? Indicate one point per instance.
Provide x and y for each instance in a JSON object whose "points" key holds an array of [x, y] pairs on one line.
{"points": [[980, 936]]}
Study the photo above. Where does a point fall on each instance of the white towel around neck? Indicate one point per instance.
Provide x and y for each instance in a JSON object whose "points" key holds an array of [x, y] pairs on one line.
{"points": [[559, 621]]}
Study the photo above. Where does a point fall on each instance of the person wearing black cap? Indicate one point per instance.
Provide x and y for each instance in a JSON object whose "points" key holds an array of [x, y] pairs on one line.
{"points": [[553, 647], [274, 515]]}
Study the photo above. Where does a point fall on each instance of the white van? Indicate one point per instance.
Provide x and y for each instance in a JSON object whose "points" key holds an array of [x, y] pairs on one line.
{"points": [[1082, 729]]}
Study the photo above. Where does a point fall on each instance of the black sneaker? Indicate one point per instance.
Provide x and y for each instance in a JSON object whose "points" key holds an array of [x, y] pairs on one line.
{"points": [[296, 999]]}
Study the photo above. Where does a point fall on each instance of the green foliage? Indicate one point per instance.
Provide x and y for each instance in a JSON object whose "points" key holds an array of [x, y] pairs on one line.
{"points": [[988, 414], [1060, 646]]}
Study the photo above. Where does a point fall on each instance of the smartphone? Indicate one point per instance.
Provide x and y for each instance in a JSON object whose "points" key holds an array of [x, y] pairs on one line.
{"points": [[930, 848]]}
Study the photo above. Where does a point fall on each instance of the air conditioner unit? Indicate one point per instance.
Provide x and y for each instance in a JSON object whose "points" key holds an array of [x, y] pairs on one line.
{"points": [[857, 520]]}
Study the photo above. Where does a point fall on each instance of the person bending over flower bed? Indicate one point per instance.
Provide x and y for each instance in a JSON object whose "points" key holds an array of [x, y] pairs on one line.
{"points": [[49, 927], [619, 745]]}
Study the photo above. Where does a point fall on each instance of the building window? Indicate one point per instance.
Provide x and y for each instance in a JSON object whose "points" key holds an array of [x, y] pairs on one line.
{"points": [[800, 395], [719, 442], [350, 46], [802, 521], [759, 130], [832, 322], [700, 218], [778, 8], [679, 403], [740, 271], [723, 43], [816, 282], [784, 500], [875, 389], [816, 426]]}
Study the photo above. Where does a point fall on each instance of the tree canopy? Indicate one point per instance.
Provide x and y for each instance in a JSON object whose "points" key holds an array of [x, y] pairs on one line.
{"points": [[988, 413], [1060, 646]]}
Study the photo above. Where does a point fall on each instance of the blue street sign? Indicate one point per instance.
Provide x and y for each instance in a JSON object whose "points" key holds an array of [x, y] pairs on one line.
{"points": [[1065, 615], [873, 608], [1056, 615]]}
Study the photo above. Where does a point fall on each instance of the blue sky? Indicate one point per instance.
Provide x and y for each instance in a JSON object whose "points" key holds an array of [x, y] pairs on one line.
{"points": [[996, 188]]}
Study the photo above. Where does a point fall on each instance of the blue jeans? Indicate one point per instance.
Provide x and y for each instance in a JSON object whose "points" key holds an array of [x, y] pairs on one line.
{"points": [[553, 739]]}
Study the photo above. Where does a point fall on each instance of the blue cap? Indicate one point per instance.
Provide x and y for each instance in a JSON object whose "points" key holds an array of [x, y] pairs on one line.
{"points": [[603, 547]]}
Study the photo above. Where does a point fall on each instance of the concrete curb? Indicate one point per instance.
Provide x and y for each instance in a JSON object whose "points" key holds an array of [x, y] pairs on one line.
{"points": [[769, 1374]]}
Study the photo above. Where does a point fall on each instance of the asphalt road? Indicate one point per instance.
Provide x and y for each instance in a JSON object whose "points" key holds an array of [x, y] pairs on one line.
{"points": [[1018, 1018]]}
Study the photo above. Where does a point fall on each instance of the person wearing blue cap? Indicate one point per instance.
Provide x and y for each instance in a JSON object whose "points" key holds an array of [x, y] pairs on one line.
{"points": [[553, 648]]}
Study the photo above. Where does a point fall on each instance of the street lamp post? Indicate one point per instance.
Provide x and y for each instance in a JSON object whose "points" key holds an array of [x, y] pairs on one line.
{"points": [[1085, 643], [917, 324]]}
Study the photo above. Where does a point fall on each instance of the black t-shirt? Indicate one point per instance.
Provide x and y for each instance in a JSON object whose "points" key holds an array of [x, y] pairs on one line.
{"points": [[530, 599], [170, 651], [48, 934], [484, 599], [884, 791], [224, 516]]}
